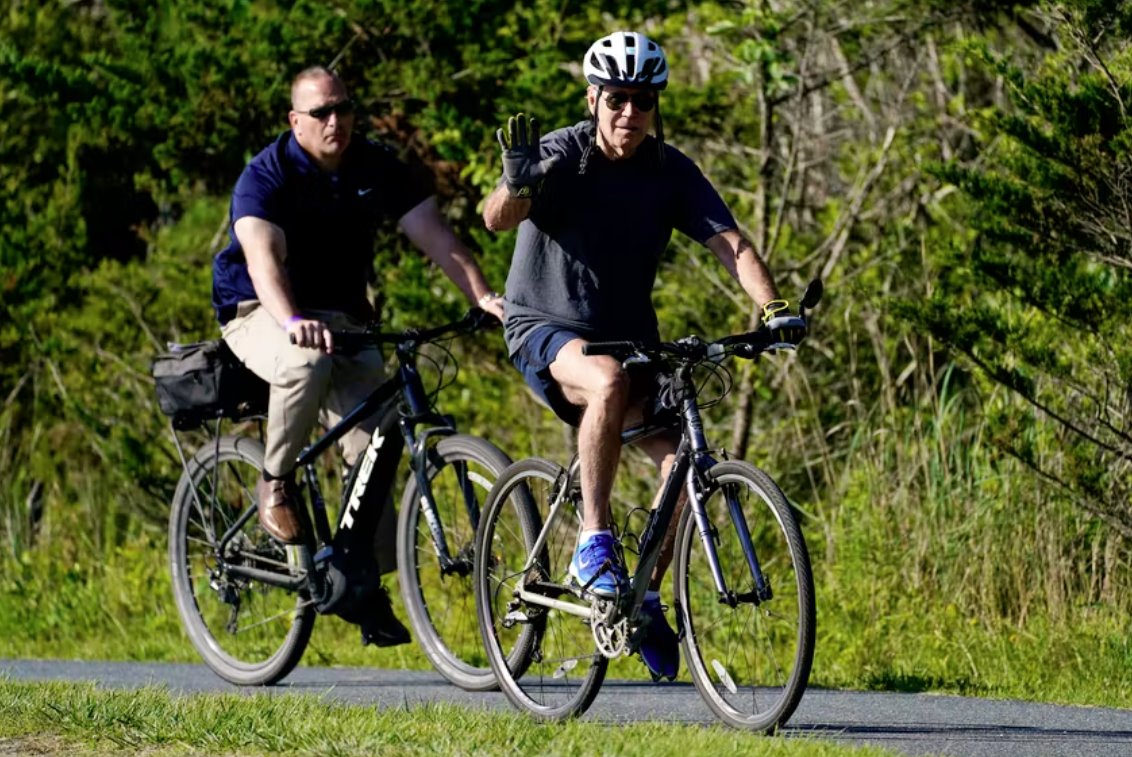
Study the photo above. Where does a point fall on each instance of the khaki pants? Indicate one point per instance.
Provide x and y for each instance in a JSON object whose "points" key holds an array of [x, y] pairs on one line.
{"points": [[309, 386]]}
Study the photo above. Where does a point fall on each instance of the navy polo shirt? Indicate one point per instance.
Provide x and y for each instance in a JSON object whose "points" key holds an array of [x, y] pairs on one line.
{"points": [[330, 221]]}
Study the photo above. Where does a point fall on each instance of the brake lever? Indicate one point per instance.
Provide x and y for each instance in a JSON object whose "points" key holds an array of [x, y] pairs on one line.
{"points": [[716, 352], [781, 346]]}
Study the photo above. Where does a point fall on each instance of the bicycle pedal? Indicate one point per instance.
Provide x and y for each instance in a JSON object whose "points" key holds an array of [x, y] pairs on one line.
{"points": [[606, 566], [580, 591], [515, 616]]}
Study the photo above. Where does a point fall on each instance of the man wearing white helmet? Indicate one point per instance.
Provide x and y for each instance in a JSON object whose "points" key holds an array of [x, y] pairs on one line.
{"points": [[595, 205]]}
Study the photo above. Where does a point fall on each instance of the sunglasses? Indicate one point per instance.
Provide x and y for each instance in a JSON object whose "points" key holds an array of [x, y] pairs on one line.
{"points": [[322, 112], [642, 101]]}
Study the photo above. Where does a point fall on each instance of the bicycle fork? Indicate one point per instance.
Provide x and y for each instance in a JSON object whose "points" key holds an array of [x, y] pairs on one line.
{"points": [[460, 564], [708, 535]]}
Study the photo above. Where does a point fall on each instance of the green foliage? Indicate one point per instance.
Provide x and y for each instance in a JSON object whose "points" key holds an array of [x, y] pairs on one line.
{"points": [[955, 176], [1044, 284]]}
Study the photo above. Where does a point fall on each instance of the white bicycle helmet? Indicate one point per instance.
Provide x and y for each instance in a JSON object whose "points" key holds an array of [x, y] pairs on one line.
{"points": [[626, 59]]}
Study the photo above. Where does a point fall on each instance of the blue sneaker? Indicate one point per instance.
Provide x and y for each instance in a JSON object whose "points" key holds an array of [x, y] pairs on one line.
{"points": [[660, 649], [589, 557]]}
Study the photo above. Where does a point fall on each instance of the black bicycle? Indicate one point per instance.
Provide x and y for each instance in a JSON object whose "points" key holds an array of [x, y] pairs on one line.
{"points": [[249, 603], [744, 596]]}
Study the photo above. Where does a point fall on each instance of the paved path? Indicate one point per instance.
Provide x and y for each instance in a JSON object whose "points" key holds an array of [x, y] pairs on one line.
{"points": [[913, 724]]}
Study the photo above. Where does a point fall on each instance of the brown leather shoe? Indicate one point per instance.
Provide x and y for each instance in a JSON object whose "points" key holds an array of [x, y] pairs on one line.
{"points": [[278, 513]]}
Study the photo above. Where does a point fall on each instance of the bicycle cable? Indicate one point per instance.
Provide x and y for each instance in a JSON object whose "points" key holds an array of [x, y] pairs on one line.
{"points": [[718, 372], [440, 364]]}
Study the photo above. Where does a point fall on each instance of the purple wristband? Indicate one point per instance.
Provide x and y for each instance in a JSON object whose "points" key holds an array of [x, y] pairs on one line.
{"points": [[291, 320]]}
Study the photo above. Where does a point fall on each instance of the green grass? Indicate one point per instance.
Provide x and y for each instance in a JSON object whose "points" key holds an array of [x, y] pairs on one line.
{"points": [[77, 717], [869, 638], [913, 648]]}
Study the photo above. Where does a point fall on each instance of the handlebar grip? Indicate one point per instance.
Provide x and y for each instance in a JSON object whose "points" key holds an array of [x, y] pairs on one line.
{"points": [[609, 348], [478, 319], [756, 337], [748, 345]]}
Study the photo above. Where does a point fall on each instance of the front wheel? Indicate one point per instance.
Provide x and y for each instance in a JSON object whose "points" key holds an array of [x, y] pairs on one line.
{"points": [[749, 651], [439, 599], [249, 633]]}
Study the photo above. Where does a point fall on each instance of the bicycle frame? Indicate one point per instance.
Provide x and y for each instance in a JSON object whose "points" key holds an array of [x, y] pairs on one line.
{"points": [[692, 461], [377, 457]]}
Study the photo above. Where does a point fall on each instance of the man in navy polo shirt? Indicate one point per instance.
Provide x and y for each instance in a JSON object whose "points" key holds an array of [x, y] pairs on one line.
{"points": [[595, 205], [304, 216]]}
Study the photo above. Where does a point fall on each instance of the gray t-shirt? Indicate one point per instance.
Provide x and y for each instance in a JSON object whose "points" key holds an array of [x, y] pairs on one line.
{"points": [[586, 257]]}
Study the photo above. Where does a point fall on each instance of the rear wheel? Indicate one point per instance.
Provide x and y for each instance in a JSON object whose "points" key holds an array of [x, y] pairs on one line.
{"points": [[748, 655], [248, 632], [545, 659], [440, 599]]}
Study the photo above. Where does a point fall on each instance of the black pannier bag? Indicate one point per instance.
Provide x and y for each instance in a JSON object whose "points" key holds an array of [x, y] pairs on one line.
{"points": [[204, 381]]}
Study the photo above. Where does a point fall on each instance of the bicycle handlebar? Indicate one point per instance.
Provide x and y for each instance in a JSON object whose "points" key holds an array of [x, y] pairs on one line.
{"points": [[690, 348], [693, 349], [611, 348], [474, 320]]}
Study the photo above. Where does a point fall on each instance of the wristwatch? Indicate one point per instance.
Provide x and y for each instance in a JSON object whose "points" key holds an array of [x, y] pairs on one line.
{"points": [[482, 301]]}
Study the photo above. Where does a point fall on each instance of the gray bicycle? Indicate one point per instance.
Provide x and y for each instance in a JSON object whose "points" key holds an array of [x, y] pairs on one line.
{"points": [[744, 595]]}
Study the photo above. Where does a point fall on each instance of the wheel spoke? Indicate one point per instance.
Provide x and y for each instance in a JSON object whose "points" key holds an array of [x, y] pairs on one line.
{"points": [[240, 627], [441, 605], [750, 661]]}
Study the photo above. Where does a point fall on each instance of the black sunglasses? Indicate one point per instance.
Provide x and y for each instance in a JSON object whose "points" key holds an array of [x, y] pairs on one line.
{"points": [[642, 101], [342, 108]]}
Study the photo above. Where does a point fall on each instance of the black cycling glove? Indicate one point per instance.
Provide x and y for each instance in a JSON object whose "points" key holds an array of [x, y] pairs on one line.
{"points": [[786, 329], [523, 172]]}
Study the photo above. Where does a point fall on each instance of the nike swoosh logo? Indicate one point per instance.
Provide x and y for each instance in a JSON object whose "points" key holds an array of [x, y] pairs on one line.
{"points": [[364, 192]]}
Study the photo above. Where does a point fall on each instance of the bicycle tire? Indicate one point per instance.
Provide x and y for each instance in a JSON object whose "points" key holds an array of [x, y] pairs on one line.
{"points": [[537, 675], [441, 608], [230, 469], [750, 683]]}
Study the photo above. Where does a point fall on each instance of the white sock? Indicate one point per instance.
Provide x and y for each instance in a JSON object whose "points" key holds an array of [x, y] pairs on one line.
{"points": [[586, 535]]}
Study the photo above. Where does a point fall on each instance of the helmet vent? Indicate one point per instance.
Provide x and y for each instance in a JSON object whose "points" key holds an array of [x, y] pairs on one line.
{"points": [[626, 59]]}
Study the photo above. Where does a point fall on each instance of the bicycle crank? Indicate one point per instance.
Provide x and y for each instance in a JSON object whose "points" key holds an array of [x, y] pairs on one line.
{"points": [[610, 632]]}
